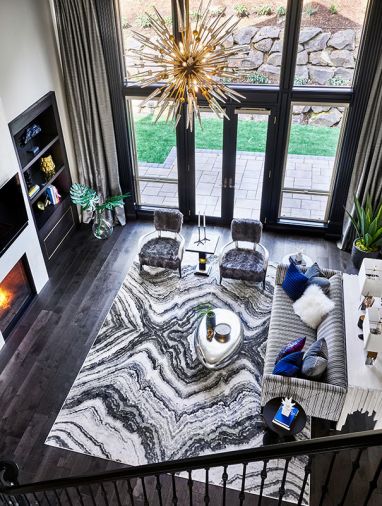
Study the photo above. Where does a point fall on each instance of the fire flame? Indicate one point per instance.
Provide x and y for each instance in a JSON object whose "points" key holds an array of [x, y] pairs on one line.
{"points": [[5, 297]]}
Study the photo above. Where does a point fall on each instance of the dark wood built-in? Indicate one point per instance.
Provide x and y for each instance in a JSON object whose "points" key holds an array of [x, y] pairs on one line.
{"points": [[54, 224]]}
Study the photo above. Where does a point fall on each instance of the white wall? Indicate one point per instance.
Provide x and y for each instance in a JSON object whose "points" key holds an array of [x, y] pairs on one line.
{"points": [[29, 62], [29, 68]]}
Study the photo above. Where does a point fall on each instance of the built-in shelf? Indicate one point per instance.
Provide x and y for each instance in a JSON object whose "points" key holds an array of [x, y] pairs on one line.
{"points": [[55, 222]]}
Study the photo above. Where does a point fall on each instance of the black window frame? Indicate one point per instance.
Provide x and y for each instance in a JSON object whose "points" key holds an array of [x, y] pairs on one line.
{"points": [[277, 98]]}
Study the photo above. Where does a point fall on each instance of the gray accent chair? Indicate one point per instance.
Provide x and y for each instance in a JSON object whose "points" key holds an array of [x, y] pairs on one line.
{"points": [[245, 263], [163, 247]]}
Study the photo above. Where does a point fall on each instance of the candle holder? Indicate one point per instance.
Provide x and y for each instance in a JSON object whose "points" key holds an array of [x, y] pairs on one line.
{"points": [[205, 238], [199, 240]]}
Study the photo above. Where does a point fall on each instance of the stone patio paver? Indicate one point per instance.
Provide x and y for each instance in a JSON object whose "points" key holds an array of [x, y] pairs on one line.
{"points": [[302, 172]]}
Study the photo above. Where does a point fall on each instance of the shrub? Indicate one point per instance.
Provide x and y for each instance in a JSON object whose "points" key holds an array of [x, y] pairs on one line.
{"points": [[310, 10], [143, 21], [281, 11], [216, 10], [124, 23], [168, 20], [241, 10], [339, 81], [264, 10], [333, 9], [300, 81], [194, 15], [257, 78]]}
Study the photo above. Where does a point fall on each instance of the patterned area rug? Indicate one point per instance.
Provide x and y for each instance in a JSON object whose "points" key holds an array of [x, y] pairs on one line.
{"points": [[142, 396]]}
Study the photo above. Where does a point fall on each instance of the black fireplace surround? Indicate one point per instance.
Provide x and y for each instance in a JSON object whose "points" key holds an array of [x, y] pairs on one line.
{"points": [[13, 214]]}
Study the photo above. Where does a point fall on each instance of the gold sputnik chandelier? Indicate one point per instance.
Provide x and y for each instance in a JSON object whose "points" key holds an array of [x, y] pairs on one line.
{"points": [[194, 63]]}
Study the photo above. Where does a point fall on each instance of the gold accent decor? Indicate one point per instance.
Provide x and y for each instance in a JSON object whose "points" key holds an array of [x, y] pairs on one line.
{"points": [[192, 65], [48, 167]]}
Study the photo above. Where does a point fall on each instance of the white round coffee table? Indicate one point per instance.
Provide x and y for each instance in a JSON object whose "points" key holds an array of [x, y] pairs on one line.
{"points": [[215, 354]]}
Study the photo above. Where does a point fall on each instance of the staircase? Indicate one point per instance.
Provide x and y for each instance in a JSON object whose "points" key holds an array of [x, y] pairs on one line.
{"points": [[338, 461]]}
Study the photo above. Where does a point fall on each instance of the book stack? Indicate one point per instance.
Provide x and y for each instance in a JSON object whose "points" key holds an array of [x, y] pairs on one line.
{"points": [[33, 190], [52, 194], [285, 422]]}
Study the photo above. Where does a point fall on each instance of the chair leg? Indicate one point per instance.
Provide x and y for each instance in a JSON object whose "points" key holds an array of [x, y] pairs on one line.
{"points": [[220, 280], [264, 284], [140, 267], [180, 271]]}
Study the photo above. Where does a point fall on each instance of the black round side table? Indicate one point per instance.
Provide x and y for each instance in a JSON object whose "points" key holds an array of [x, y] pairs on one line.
{"points": [[277, 433]]}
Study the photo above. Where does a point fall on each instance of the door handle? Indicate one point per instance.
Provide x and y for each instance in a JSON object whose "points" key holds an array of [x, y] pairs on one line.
{"points": [[225, 183], [230, 183]]}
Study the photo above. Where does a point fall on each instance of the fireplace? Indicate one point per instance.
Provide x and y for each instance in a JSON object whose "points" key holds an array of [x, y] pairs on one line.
{"points": [[16, 292]]}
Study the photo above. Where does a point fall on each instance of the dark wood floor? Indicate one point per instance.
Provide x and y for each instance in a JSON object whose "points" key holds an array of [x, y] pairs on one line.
{"points": [[43, 355]]}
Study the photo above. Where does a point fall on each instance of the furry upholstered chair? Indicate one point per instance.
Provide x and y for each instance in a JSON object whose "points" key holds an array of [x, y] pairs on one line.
{"points": [[165, 246], [245, 263]]}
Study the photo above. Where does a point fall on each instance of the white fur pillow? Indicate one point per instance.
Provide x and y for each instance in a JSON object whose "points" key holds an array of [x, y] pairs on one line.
{"points": [[313, 306]]}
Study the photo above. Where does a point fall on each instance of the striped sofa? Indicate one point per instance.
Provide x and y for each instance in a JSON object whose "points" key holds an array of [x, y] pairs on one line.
{"points": [[322, 399]]}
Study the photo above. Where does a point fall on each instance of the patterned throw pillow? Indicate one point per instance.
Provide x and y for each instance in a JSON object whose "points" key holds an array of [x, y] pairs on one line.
{"points": [[291, 347], [315, 360], [294, 282], [290, 365], [317, 277]]}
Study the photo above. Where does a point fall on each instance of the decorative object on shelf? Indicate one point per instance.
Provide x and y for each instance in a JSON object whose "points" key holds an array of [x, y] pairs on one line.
{"points": [[368, 227], [28, 180], [43, 204], [286, 406], [33, 191], [34, 150], [53, 195], [29, 133], [370, 277], [89, 200], [222, 332], [195, 62], [48, 167], [208, 311], [372, 334]]}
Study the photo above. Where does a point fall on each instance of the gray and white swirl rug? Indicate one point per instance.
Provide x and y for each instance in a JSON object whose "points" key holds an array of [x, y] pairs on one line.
{"points": [[142, 396]]}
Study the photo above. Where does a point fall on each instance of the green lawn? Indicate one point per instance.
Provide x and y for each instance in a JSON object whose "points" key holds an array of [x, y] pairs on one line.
{"points": [[154, 141]]}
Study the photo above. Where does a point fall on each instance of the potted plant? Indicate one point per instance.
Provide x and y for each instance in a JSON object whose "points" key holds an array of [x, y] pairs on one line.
{"points": [[368, 227], [89, 200], [208, 311]]}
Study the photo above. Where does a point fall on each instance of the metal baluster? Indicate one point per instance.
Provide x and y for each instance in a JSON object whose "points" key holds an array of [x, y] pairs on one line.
{"points": [[145, 500], [68, 497], [325, 486], [104, 494], [57, 495], [224, 478], [130, 490], [190, 483], [47, 498], [117, 493], [80, 496], [282, 488], [206, 492], [158, 487], [355, 467], [2, 499], [263, 475], [27, 501], [36, 498], [242, 491], [373, 484], [308, 469], [174, 496], [92, 495]]}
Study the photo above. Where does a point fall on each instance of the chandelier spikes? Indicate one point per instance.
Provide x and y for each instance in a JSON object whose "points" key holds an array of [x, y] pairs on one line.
{"points": [[190, 66]]}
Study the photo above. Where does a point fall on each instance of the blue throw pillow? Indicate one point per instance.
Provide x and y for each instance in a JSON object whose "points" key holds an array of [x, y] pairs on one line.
{"points": [[290, 365], [291, 347], [317, 277], [294, 282], [315, 360]]}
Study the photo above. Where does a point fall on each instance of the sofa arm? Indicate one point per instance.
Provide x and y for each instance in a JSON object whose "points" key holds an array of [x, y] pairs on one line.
{"points": [[321, 400]]}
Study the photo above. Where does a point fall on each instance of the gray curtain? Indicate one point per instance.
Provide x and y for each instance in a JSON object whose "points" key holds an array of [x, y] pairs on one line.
{"points": [[367, 173], [88, 97]]}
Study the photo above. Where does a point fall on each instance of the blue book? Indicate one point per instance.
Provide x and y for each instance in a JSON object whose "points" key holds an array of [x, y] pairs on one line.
{"points": [[285, 421]]}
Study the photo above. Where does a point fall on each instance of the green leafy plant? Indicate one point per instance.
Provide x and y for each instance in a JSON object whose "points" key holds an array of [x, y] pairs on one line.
{"points": [[339, 81], [205, 310], [194, 15], [300, 81], [368, 225], [264, 10], [281, 11], [168, 20], [124, 23], [216, 10], [257, 78], [310, 10], [89, 199], [143, 21], [241, 10], [333, 9]]}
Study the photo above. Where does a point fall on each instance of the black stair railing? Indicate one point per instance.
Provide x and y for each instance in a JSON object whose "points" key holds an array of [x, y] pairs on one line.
{"points": [[117, 487]]}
